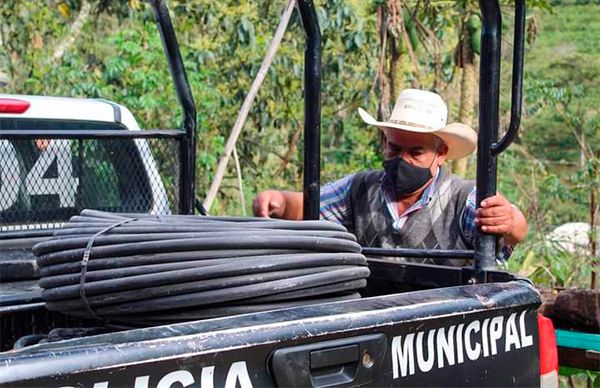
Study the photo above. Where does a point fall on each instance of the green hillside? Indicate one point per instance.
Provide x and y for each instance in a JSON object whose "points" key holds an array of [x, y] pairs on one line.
{"points": [[563, 65], [552, 171]]}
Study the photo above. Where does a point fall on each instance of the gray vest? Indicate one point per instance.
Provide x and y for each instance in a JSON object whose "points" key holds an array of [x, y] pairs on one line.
{"points": [[435, 226]]}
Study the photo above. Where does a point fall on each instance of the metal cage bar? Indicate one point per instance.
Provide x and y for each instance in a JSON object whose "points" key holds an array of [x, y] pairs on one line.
{"points": [[489, 94], [312, 110], [23, 134], [517, 79], [187, 148], [419, 253]]}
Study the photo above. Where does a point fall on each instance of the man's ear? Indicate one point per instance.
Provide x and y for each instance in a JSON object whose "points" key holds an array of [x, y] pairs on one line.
{"points": [[442, 154], [382, 139]]}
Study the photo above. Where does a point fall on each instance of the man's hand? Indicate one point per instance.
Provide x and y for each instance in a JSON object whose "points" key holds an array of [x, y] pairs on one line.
{"points": [[278, 204], [269, 203], [496, 215]]}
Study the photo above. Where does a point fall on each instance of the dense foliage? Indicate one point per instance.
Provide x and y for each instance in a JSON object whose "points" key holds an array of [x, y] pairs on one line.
{"points": [[551, 172]]}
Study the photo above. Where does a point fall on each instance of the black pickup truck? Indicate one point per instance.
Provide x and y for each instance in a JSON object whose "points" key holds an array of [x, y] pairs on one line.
{"points": [[415, 324]]}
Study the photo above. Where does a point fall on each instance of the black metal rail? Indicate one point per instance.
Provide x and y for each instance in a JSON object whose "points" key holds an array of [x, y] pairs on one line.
{"points": [[430, 275], [489, 94], [517, 79], [419, 253], [312, 109], [187, 145], [13, 134]]}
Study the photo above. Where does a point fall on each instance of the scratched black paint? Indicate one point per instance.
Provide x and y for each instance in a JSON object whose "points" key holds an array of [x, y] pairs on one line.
{"points": [[120, 358]]}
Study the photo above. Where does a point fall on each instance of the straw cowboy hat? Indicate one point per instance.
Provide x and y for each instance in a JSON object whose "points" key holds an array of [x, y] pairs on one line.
{"points": [[425, 112]]}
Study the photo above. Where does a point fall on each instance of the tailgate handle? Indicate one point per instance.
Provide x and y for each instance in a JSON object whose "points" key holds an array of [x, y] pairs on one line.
{"points": [[334, 366], [347, 361], [332, 357]]}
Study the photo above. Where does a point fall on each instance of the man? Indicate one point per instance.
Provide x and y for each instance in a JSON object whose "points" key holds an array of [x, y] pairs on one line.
{"points": [[414, 202]]}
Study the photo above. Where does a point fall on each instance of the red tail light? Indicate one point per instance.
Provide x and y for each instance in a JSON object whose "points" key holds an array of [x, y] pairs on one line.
{"points": [[13, 105], [548, 353]]}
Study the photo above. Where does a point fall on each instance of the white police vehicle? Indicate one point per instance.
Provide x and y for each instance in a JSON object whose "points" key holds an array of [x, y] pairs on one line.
{"points": [[43, 182]]}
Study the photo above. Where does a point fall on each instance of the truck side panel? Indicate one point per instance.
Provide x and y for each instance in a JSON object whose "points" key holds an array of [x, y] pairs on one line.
{"points": [[455, 336]]}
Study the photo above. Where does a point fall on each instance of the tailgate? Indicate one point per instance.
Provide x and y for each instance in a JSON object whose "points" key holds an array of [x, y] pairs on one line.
{"points": [[468, 335]]}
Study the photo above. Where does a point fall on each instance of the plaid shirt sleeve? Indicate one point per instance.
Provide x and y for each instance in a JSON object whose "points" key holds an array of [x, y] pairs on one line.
{"points": [[335, 202], [468, 227]]}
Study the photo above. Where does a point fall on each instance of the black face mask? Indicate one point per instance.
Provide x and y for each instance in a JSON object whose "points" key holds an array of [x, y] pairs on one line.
{"points": [[405, 177]]}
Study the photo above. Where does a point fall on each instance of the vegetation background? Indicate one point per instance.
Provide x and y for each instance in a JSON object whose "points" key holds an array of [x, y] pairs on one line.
{"points": [[371, 50]]}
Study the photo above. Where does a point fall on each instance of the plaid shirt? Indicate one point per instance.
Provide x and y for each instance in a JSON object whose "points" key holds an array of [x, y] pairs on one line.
{"points": [[335, 197]]}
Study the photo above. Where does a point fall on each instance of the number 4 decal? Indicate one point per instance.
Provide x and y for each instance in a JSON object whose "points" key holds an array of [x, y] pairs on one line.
{"points": [[65, 184], [9, 175]]}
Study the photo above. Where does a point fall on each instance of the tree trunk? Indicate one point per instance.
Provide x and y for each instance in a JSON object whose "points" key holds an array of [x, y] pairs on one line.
{"points": [[579, 309], [467, 93], [74, 32], [391, 70], [383, 106], [291, 150], [245, 109], [396, 71]]}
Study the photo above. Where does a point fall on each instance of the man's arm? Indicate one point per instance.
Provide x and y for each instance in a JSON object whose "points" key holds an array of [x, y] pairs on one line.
{"points": [[334, 203], [497, 215], [279, 204]]}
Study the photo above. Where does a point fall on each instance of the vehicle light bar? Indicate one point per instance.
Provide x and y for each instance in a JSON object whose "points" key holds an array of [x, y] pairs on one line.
{"points": [[13, 105]]}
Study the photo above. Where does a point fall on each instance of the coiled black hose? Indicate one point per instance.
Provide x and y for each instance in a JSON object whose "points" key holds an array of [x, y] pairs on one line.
{"points": [[212, 312], [146, 269]]}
